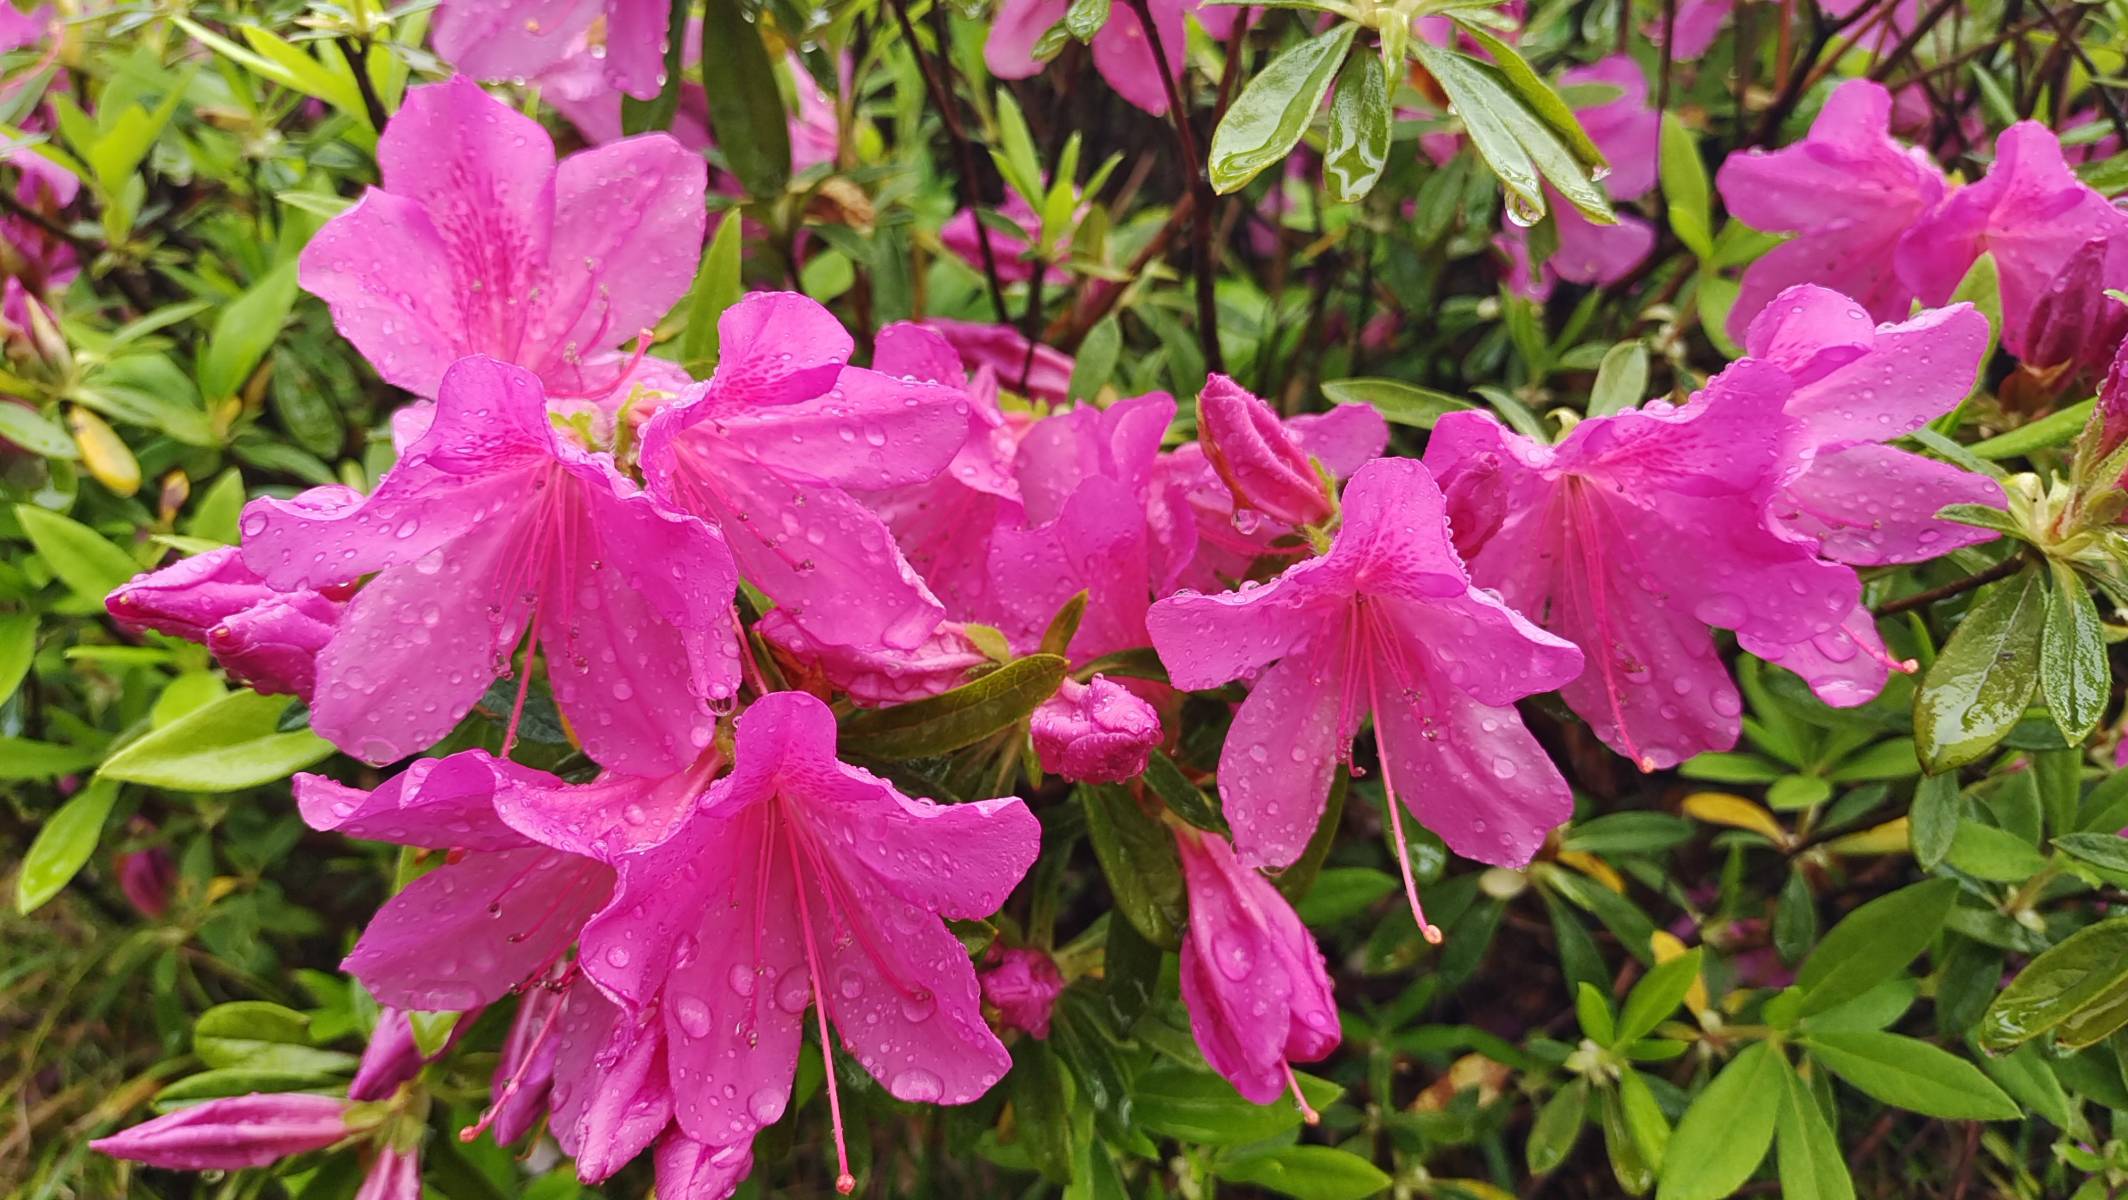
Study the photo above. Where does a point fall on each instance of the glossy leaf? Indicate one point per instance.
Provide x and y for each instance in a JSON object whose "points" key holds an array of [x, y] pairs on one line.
{"points": [[1138, 856], [1358, 147], [1724, 1135], [1911, 1074], [2078, 991], [2074, 678], [1307, 1172], [962, 717], [63, 845], [745, 102], [1399, 403], [1807, 1153], [1874, 943], [226, 746], [1273, 110], [1978, 687]]}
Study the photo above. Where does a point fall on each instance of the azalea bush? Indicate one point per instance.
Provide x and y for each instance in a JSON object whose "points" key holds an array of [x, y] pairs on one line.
{"points": [[1063, 598]]}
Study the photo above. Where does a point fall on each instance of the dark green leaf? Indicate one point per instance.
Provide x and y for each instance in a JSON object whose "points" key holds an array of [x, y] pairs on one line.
{"points": [[1979, 684], [1557, 1127], [63, 845], [745, 104], [1137, 853], [2074, 678], [1267, 120], [1874, 943], [1358, 146], [1183, 798], [1934, 818], [1200, 1107], [1399, 403], [1911, 1074], [717, 287], [2055, 429], [2078, 990], [962, 717]]}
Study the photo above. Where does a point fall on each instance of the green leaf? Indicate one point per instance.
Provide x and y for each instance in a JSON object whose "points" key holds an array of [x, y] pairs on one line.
{"points": [[1593, 1009], [717, 287], [1096, 360], [2025, 1078], [31, 430], [745, 104], [1267, 120], [1997, 855], [244, 331], [2106, 851], [24, 758], [1557, 1127], [2074, 678], [1874, 943], [1522, 149], [1183, 798], [1684, 187], [1043, 1109], [260, 1036], [1634, 1131], [227, 746], [64, 843], [238, 1081], [1621, 379], [1085, 18], [18, 648], [1536, 95], [1934, 817], [1138, 855], [1360, 126], [1979, 684], [1398, 402], [962, 717], [2077, 990], [1911, 1074], [1724, 1135], [77, 554], [432, 1030], [2055, 429], [1807, 1152], [1308, 1172], [1064, 626], [1200, 1107], [1656, 996]]}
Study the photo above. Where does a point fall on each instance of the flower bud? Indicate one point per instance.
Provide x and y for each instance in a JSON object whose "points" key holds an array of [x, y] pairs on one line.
{"points": [[393, 1175], [525, 1070], [391, 1058], [1022, 984], [190, 596], [234, 1132], [2074, 323], [1095, 732], [2113, 403], [147, 877], [273, 645], [878, 676], [1257, 458]]}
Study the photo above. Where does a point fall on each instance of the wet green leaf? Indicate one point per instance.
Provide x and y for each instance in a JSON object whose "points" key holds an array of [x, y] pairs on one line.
{"points": [[64, 843], [1137, 854], [1267, 120], [745, 103], [2074, 678], [226, 746], [962, 717], [1360, 120], [2077, 990], [1979, 684]]}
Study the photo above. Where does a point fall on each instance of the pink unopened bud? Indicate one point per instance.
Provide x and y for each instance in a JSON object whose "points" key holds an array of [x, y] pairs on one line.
{"points": [[393, 1056], [273, 645], [227, 1134], [393, 1175], [1257, 458], [190, 596], [525, 1071], [2113, 402], [2074, 323], [1022, 984], [147, 877], [1095, 732], [877, 676]]}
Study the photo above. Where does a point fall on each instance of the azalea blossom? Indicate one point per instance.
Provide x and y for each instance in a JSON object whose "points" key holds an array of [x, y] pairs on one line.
{"points": [[2034, 216], [1043, 373], [479, 242], [1857, 385], [1849, 193], [266, 639], [496, 529], [1631, 537], [766, 448], [233, 1132], [1023, 984], [518, 39], [1094, 732], [1627, 129], [795, 881], [1388, 624], [1253, 980], [1121, 50]]}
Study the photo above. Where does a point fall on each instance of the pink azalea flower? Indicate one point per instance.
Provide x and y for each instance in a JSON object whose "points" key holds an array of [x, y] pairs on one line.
{"points": [[1004, 351], [801, 880], [1855, 500], [480, 243], [1627, 130], [1261, 462], [1023, 984], [1094, 732], [1387, 623], [266, 639], [232, 1133], [578, 89], [495, 529], [876, 676], [524, 1071], [1632, 536], [1849, 193], [148, 877], [518, 39], [1012, 253], [767, 447], [1121, 51], [394, 1174], [2034, 215], [390, 1059], [1253, 981], [1203, 540]]}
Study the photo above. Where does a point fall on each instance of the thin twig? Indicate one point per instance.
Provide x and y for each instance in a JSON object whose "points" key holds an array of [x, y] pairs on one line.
{"points": [[2002, 570], [964, 155], [356, 52], [1200, 184]]}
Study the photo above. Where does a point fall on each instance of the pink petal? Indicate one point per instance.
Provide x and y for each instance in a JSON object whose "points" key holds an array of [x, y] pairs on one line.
{"points": [[628, 222], [386, 273], [1018, 25], [870, 430], [605, 818], [515, 40], [1274, 770], [1125, 57], [690, 1170], [436, 803], [1120, 442], [1871, 505], [465, 933], [1598, 254], [1845, 666], [776, 348], [630, 1104], [1343, 439], [1810, 332], [911, 352], [1627, 129], [1395, 534], [1207, 639], [635, 45], [1472, 773]]}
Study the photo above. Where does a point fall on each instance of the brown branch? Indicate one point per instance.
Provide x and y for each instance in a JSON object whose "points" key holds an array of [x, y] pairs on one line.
{"points": [[2002, 570], [1200, 185], [356, 52]]}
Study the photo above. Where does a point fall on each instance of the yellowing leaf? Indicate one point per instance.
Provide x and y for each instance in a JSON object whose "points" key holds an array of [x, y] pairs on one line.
{"points": [[1888, 838], [1724, 808], [1666, 946], [1595, 868], [104, 452]]}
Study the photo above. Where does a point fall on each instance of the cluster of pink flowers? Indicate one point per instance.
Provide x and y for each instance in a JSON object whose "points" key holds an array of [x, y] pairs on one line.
{"points": [[667, 926]]}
